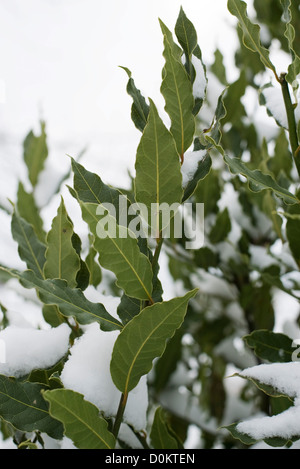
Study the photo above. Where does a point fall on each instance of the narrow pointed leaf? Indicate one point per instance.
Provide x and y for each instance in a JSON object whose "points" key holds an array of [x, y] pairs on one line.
{"points": [[259, 181], [31, 249], [186, 33], [71, 302], [22, 405], [176, 50], [144, 338], [119, 252], [28, 210], [81, 419], [251, 32], [160, 436], [139, 108], [62, 261], [177, 90], [90, 188], [35, 153], [158, 176]]}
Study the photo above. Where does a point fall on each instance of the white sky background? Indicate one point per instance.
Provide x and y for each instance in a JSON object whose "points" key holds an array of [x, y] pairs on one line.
{"points": [[59, 61]]}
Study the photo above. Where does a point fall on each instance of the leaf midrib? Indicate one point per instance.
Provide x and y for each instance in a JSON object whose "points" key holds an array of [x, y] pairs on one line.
{"points": [[67, 409]]}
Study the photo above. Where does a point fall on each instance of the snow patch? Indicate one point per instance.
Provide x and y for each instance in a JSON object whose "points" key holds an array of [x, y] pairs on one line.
{"points": [[87, 371], [27, 349]]}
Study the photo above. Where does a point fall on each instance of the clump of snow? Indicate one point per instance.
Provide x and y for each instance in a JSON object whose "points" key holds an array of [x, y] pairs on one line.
{"points": [[26, 349], [200, 83], [87, 371], [190, 164], [285, 378], [275, 105]]}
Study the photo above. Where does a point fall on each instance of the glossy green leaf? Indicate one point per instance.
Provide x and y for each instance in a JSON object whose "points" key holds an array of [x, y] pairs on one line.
{"points": [[144, 338], [139, 108], [251, 32], [186, 33], [158, 176], [259, 181], [31, 249], [272, 346], [119, 252], [176, 50], [71, 302], [160, 436], [179, 101], [62, 261], [35, 153], [23, 406], [81, 419]]}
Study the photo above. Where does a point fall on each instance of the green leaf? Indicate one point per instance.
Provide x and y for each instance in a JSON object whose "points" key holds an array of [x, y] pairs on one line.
{"points": [[160, 435], [218, 68], [177, 90], [28, 210], [176, 50], [62, 261], [81, 419], [35, 153], [234, 93], [245, 439], [90, 188], [71, 302], [158, 176], [31, 249], [271, 346], [259, 181], [93, 267], [186, 33], [203, 169], [83, 274], [22, 405], [294, 67], [144, 338], [251, 32], [221, 228], [139, 108], [269, 208], [119, 252], [167, 363], [293, 236]]}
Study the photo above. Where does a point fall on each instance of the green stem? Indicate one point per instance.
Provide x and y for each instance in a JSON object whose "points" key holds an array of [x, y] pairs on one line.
{"points": [[120, 413], [140, 437], [290, 112]]}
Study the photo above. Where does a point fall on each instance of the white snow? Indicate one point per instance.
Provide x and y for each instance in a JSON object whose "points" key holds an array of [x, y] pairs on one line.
{"points": [[87, 371], [27, 349], [190, 164], [285, 378], [200, 83], [275, 104]]}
